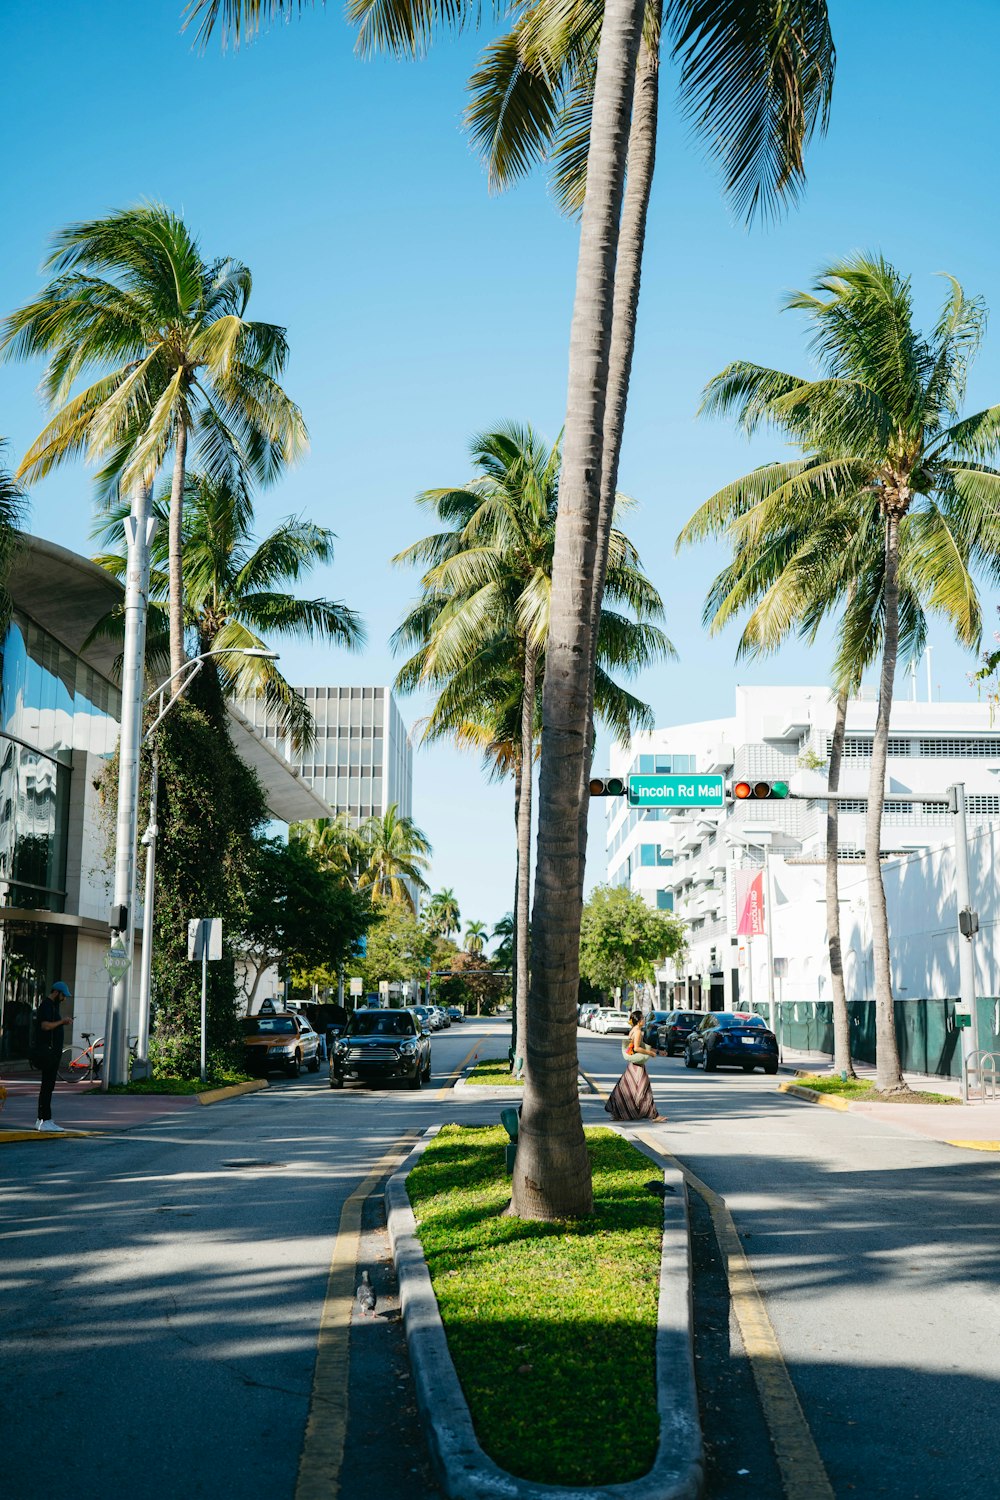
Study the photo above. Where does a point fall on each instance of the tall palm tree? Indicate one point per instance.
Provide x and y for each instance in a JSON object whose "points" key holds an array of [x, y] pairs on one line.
{"points": [[481, 624], [443, 912], [476, 934], [133, 298], [733, 65], [503, 954], [13, 507], [395, 854], [904, 503], [237, 592]]}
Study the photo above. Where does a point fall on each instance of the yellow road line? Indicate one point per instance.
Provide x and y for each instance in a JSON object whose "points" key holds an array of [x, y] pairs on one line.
{"points": [[446, 1088], [803, 1474], [46, 1135], [326, 1427], [976, 1145]]}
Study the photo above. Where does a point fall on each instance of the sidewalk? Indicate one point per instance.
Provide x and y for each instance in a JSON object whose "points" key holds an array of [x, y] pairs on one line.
{"points": [[975, 1126], [79, 1106]]}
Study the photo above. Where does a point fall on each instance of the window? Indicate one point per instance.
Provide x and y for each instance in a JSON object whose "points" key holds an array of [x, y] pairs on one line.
{"points": [[664, 901], [983, 748], [647, 854], [859, 746], [983, 805]]}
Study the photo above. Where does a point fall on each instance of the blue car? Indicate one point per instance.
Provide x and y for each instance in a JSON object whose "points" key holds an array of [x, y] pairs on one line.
{"points": [[732, 1039]]}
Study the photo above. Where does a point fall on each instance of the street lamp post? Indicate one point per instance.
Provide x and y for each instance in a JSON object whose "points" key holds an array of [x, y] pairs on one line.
{"points": [[187, 673]]}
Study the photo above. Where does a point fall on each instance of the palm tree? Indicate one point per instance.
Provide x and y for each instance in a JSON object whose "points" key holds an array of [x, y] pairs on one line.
{"points": [[442, 913], [237, 592], [178, 361], [503, 954], [476, 934], [733, 66], [12, 513], [903, 503], [481, 624], [395, 853], [334, 843]]}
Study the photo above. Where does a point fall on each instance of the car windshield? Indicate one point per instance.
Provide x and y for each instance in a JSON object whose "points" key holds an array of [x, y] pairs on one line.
{"points": [[269, 1026], [381, 1023]]}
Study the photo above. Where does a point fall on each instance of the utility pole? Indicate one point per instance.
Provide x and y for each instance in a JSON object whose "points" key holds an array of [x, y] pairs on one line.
{"points": [[968, 926], [140, 527]]}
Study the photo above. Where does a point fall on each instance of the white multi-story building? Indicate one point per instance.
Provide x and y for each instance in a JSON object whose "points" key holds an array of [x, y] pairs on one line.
{"points": [[361, 759], [685, 861]]}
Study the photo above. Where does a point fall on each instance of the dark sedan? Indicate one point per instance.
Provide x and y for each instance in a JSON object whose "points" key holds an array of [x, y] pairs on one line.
{"points": [[675, 1029], [651, 1023], [732, 1039], [382, 1046]]}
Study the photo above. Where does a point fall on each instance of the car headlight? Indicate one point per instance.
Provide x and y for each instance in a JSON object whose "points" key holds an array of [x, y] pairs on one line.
{"points": [[343, 1047], [410, 1045]]}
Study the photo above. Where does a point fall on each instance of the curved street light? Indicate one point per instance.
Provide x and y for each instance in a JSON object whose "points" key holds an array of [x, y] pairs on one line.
{"points": [[187, 673]]}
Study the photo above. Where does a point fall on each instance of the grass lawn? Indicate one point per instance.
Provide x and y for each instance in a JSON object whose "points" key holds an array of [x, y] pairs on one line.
{"points": [[494, 1071], [178, 1085], [864, 1088], [551, 1326]]}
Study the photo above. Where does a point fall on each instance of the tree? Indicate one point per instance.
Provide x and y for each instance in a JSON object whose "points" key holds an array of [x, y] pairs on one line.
{"points": [[297, 913], [481, 627], [902, 503], [394, 855], [12, 514], [503, 953], [178, 361], [334, 843], [236, 592], [623, 941], [476, 934], [399, 947], [442, 914]]}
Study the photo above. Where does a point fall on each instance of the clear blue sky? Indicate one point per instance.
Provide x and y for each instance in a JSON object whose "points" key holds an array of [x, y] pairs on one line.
{"points": [[420, 309]]}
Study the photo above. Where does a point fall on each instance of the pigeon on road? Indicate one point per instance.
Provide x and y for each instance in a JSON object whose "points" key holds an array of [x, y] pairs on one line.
{"points": [[366, 1295]]}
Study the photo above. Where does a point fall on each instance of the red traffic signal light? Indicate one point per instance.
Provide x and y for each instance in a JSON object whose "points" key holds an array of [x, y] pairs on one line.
{"points": [[607, 786], [760, 791]]}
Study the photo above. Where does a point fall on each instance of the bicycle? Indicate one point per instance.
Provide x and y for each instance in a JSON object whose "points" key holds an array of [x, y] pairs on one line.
{"points": [[86, 1062]]}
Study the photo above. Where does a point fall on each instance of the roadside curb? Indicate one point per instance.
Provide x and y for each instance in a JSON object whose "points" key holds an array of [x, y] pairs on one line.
{"points": [[7, 1136], [811, 1096], [231, 1091], [508, 1091], [463, 1469]]}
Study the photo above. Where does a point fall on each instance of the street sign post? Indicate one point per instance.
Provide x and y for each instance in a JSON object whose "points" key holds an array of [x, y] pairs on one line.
{"points": [[204, 942], [357, 986], [677, 791]]}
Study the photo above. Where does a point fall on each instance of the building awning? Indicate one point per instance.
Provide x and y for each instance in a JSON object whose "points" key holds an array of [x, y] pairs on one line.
{"points": [[67, 594]]}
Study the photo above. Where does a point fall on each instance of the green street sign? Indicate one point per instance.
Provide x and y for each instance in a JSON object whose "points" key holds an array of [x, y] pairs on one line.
{"points": [[676, 791]]}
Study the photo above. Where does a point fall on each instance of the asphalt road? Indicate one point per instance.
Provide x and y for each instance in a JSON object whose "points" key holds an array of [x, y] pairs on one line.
{"points": [[878, 1253], [161, 1291]]}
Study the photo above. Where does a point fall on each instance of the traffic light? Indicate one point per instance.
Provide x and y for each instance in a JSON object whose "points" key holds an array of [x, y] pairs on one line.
{"points": [[607, 786], [760, 791]]}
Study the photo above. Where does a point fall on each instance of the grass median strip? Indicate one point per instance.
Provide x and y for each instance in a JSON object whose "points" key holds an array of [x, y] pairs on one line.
{"points": [[537, 1314], [495, 1073], [864, 1089]]}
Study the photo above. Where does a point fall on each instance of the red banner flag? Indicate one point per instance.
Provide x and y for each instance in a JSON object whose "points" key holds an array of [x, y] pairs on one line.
{"points": [[750, 920]]}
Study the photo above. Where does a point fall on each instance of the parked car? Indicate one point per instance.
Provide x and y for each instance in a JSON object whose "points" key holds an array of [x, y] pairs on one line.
{"points": [[651, 1023], [455, 1013], [584, 1014], [609, 1020], [283, 1040], [676, 1027], [423, 1014], [727, 1038], [444, 1020], [593, 1020], [382, 1046]]}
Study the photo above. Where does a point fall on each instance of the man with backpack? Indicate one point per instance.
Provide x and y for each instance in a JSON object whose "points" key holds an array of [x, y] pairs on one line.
{"points": [[47, 1049]]}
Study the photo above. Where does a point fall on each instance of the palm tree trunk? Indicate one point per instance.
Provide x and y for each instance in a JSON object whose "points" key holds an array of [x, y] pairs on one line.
{"points": [[628, 275], [176, 552], [552, 1172], [514, 1025], [888, 1075], [522, 909], [841, 1022]]}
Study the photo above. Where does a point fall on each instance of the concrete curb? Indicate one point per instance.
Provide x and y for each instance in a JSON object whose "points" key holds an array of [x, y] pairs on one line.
{"points": [[811, 1096], [231, 1091], [7, 1136], [463, 1469]]}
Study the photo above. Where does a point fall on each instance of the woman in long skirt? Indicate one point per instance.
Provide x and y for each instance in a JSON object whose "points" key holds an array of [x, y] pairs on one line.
{"points": [[632, 1096]]}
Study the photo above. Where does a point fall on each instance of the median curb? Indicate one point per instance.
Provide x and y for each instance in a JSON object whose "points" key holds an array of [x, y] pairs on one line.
{"points": [[231, 1091], [464, 1471], [7, 1136], [812, 1096]]}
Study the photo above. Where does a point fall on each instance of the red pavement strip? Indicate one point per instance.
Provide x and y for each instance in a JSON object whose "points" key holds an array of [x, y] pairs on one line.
{"points": [[80, 1107]]}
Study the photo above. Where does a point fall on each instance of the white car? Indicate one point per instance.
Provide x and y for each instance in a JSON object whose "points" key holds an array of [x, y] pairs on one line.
{"points": [[609, 1020]]}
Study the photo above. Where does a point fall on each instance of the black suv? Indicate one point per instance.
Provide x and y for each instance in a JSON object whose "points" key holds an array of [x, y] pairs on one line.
{"points": [[381, 1046], [676, 1027]]}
